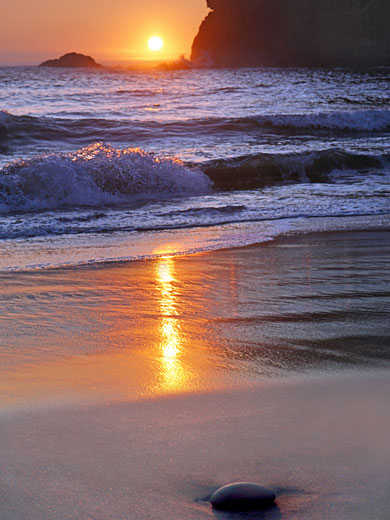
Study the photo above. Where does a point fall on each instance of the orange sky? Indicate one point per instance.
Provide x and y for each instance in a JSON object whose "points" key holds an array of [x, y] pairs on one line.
{"points": [[111, 31]]}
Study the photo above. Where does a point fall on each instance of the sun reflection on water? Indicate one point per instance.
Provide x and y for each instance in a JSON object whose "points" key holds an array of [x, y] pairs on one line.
{"points": [[174, 376]]}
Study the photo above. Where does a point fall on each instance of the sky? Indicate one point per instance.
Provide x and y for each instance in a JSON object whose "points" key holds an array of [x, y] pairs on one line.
{"points": [[115, 31]]}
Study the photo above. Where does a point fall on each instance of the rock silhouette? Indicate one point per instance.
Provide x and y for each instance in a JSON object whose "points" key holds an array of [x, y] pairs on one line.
{"points": [[72, 59], [289, 33]]}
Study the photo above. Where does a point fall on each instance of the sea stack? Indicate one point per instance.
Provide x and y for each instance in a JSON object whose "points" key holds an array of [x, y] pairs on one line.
{"points": [[294, 33], [72, 60]]}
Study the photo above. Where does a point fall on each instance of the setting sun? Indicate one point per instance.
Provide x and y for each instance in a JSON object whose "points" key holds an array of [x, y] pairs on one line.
{"points": [[155, 43]]}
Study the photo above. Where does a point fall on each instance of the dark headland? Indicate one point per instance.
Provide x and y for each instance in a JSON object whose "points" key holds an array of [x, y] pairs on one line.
{"points": [[73, 60], [289, 33]]}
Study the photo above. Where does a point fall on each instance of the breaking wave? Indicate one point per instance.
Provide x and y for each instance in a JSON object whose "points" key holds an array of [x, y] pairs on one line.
{"points": [[94, 176], [100, 175], [258, 170]]}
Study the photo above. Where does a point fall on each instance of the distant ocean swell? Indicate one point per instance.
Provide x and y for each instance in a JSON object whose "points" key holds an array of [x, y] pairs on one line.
{"points": [[100, 174], [28, 128]]}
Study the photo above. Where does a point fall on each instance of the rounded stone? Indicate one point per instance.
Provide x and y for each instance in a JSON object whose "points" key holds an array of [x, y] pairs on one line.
{"points": [[242, 496]]}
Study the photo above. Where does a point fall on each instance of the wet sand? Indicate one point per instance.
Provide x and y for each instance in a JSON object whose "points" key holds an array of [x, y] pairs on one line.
{"points": [[132, 391]]}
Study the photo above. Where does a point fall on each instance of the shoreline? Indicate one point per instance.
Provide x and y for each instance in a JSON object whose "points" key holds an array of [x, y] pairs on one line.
{"points": [[174, 242], [191, 323]]}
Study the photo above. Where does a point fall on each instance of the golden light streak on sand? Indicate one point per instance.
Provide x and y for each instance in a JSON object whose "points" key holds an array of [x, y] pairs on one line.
{"points": [[171, 341]]}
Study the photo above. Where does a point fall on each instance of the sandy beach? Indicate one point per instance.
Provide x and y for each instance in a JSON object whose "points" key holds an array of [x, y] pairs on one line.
{"points": [[132, 391]]}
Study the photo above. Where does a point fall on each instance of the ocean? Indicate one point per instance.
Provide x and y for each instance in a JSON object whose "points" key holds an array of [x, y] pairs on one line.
{"points": [[103, 165]]}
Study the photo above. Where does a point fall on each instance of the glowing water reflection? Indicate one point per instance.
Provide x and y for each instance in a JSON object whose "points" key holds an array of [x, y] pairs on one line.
{"points": [[173, 374]]}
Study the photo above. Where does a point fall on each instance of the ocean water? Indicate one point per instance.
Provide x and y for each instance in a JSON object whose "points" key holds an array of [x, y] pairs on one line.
{"points": [[101, 166]]}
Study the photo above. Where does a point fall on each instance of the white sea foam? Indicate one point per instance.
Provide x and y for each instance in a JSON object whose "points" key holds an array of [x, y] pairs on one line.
{"points": [[93, 176]]}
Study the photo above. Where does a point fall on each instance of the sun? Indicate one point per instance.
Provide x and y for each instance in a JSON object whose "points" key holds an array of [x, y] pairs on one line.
{"points": [[155, 43]]}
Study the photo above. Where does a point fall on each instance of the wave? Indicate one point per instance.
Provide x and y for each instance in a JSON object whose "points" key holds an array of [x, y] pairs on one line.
{"points": [[359, 120], [5, 122], [29, 128], [139, 92], [288, 223], [102, 175], [208, 210], [93, 176], [227, 90], [258, 170], [26, 129], [368, 100]]}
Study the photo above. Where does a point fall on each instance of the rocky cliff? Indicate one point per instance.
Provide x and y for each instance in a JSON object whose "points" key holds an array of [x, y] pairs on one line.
{"points": [[288, 33]]}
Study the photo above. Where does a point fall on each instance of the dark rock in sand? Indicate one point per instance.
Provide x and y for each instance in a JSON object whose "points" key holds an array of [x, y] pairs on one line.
{"points": [[72, 60], [242, 496], [291, 33]]}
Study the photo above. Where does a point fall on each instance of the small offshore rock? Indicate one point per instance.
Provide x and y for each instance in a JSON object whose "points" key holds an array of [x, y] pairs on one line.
{"points": [[242, 496], [72, 60]]}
